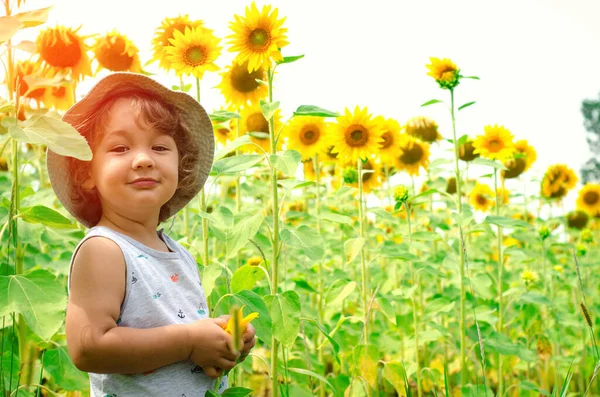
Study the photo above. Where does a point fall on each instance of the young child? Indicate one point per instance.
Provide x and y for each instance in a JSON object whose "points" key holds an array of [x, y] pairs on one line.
{"points": [[137, 318]]}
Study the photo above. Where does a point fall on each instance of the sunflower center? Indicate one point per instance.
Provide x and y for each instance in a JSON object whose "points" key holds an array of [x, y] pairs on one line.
{"points": [[447, 74], [357, 135], [591, 198], [310, 134], [113, 55], [412, 155], [495, 145], [245, 82], [257, 123], [481, 199], [194, 56], [61, 49], [223, 131], [259, 38], [387, 140]]}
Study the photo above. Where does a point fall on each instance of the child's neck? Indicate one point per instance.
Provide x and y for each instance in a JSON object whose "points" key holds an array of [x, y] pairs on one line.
{"points": [[143, 234]]}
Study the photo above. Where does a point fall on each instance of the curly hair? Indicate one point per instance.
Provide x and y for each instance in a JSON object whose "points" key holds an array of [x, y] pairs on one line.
{"points": [[156, 114]]}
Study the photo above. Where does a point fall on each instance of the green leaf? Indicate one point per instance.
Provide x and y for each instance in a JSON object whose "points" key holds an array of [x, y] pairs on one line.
{"points": [[234, 145], [7, 107], [46, 216], [255, 303], [506, 222], [380, 212], [357, 388], [366, 358], [335, 346], [232, 165], [7, 121], [58, 364], [489, 163], [221, 116], [385, 307], [470, 77], [259, 135], [463, 139], [33, 18], [268, 108], [314, 375], [210, 274], [290, 59], [246, 277], [285, 313], [352, 248], [311, 110], [244, 230], [7, 358], [292, 183], [287, 162], [8, 27], [339, 291], [60, 137], [38, 296], [210, 393], [237, 392], [221, 217], [466, 105], [393, 251], [535, 298], [426, 236], [306, 238], [337, 218], [393, 372], [431, 102], [427, 192]]}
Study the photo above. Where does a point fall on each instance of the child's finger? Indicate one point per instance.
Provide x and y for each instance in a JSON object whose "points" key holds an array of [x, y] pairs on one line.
{"points": [[249, 333], [226, 364], [213, 372]]}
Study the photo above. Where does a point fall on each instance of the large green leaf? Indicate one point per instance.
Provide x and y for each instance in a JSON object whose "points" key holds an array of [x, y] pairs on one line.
{"points": [[38, 296], [268, 108], [306, 238], [338, 291], [287, 162], [393, 372], [244, 230], [310, 110], [232, 165], [489, 163], [312, 374], [352, 248], [337, 218], [231, 146], [210, 275], [255, 303], [58, 364], [221, 116], [246, 277], [285, 313], [334, 344], [366, 358], [237, 392], [46, 216], [506, 222], [60, 137]]}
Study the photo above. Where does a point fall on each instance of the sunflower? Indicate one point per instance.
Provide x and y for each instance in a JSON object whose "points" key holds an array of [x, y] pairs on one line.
{"points": [[466, 151], [164, 33], [589, 199], [22, 69], [258, 37], [557, 181], [309, 170], [526, 156], [370, 180], [239, 87], [413, 154], [577, 219], [481, 197], [444, 71], [63, 50], [527, 151], [117, 53], [307, 135], [356, 135], [423, 128], [391, 135], [60, 97], [224, 132], [495, 144], [253, 121], [503, 195], [193, 52]]}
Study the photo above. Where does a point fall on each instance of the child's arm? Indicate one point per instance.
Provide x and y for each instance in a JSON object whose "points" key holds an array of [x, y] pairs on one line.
{"points": [[95, 342]]}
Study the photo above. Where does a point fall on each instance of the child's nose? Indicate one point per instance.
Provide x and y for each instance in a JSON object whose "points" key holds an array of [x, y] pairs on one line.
{"points": [[142, 160]]}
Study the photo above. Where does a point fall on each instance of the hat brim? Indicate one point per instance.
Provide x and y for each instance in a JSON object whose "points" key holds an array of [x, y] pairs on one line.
{"points": [[190, 111]]}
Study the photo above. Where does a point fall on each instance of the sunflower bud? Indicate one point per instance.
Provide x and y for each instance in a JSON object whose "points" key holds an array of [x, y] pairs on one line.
{"points": [[3, 165], [581, 249], [544, 232], [587, 236], [451, 186], [466, 151], [350, 175], [577, 219], [445, 72], [529, 277], [400, 194]]}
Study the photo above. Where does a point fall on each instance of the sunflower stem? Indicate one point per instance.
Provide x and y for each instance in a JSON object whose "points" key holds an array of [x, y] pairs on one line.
{"points": [[463, 361], [363, 261], [499, 287], [275, 239], [414, 304], [321, 300], [238, 191]]}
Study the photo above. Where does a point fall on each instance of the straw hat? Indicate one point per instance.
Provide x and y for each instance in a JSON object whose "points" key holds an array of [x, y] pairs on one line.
{"points": [[190, 111]]}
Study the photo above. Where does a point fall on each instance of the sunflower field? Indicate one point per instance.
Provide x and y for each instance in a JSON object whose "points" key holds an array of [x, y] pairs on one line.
{"points": [[374, 256]]}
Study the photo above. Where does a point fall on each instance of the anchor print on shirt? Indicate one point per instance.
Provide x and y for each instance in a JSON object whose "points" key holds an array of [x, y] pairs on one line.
{"points": [[180, 314], [174, 277], [142, 256], [133, 279], [201, 310], [197, 370], [157, 295]]}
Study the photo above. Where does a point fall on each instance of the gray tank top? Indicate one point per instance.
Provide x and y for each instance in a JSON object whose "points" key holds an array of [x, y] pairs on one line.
{"points": [[162, 288]]}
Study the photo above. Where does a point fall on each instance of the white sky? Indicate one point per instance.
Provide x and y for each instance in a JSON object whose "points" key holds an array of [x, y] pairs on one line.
{"points": [[537, 60]]}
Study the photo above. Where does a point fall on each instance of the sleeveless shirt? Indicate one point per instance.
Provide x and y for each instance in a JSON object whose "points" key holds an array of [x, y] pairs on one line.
{"points": [[162, 288]]}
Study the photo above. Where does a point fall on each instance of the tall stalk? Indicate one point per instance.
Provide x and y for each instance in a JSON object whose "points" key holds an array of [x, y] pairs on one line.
{"points": [[203, 204], [414, 305], [275, 242], [321, 298], [463, 360], [363, 260], [499, 286]]}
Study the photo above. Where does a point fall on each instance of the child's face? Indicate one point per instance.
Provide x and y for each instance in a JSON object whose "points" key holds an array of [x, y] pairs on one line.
{"points": [[128, 151]]}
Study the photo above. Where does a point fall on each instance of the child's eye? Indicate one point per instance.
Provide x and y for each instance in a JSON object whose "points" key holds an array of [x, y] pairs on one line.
{"points": [[161, 147], [118, 149]]}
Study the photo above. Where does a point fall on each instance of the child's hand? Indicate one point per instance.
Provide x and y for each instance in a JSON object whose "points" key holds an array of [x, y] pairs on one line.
{"points": [[211, 347], [249, 341]]}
